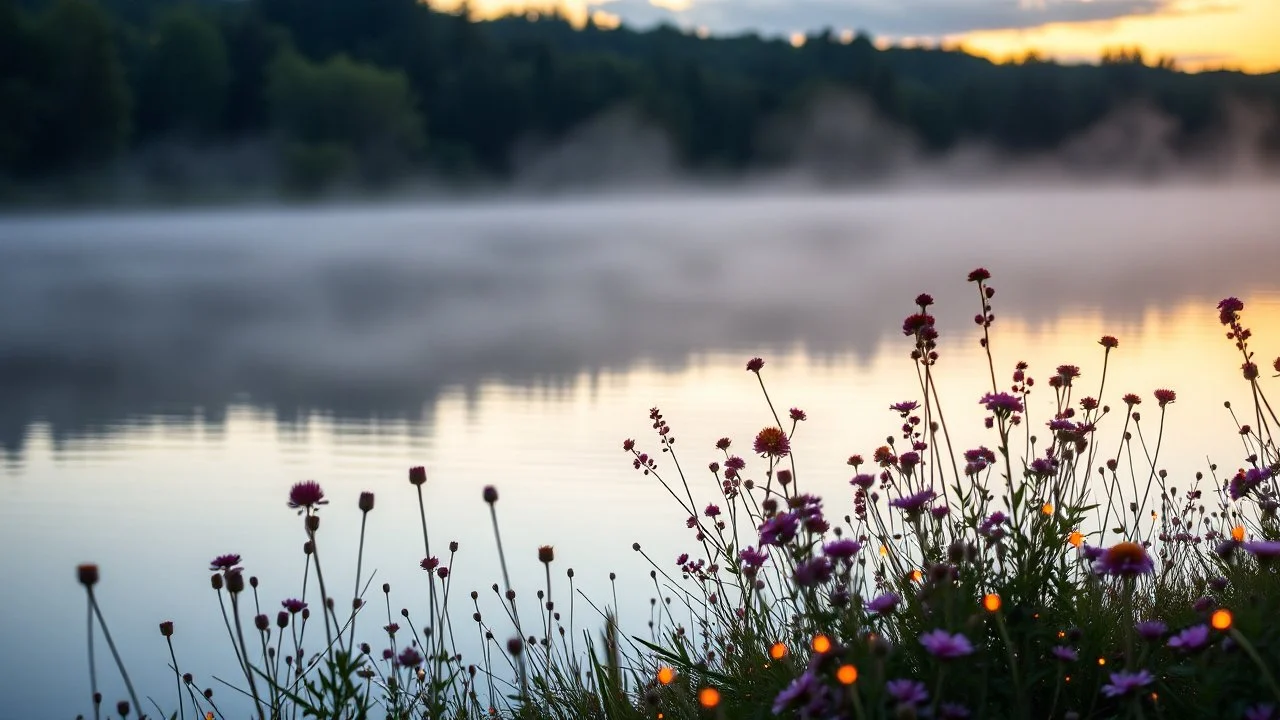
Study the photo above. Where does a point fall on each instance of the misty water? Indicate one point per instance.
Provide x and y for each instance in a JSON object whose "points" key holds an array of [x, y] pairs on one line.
{"points": [[165, 377]]}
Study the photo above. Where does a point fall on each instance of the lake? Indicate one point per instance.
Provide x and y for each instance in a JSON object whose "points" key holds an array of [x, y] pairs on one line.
{"points": [[166, 377]]}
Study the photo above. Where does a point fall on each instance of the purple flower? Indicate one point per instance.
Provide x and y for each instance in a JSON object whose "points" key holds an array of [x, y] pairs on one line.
{"points": [[1064, 653], [798, 415], [225, 563], [772, 442], [913, 504], [1203, 604], [813, 571], [907, 692], [1091, 553], [778, 529], [1123, 683], [1227, 310], [863, 480], [430, 564], [940, 512], [1126, 559], [908, 460], [1245, 481], [905, 407], [1192, 639], [842, 549], [1044, 467], [1264, 550], [753, 558], [991, 526], [755, 364], [945, 646], [1151, 630], [1001, 404], [306, 494], [884, 604], [953, 711], [409, 657], [712, 511], [806, 692], [293, 606], [1261, 711], [682, 558]]}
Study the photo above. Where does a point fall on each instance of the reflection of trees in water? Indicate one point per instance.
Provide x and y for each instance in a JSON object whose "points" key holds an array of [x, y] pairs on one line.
{"points": [[371, 313]]}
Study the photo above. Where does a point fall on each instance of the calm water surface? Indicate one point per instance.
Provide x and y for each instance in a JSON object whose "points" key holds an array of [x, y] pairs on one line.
{"points": [[164, 379]]}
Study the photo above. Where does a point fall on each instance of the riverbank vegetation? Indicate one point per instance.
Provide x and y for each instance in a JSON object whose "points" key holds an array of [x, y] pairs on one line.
{"points": [[1058, 570], [112, 97]]}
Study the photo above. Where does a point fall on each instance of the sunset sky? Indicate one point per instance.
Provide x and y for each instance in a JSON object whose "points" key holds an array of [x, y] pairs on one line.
{"points": [[1198, 33]]}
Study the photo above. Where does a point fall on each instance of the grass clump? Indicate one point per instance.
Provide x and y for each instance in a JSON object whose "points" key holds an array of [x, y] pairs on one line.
{"points": [[1058, 573]]}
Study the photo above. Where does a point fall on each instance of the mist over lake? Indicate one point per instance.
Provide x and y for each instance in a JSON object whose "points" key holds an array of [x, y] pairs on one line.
{"points": [[166, 376]]}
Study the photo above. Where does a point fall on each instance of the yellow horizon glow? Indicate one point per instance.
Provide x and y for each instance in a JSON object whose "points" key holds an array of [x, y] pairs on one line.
{"points": [[1198, 34]]}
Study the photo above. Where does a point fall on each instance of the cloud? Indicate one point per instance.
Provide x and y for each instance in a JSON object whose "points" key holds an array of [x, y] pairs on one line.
{"points": [[898, 18]]}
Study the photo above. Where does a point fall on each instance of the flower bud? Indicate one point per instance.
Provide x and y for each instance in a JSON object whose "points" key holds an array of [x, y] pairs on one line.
{"points": [[313, 523], [262, 622], [166, 628], [87, 574], [417, 475], [235, 582], [216, 581], [282, 619], [490, 494], [366, 501]]}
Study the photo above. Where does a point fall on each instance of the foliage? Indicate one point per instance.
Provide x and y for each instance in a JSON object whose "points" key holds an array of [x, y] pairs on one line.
{"points": [[1060, 578]]}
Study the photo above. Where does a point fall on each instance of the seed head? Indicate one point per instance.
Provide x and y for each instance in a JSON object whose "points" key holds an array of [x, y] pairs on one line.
{"points": [[87, 574]]}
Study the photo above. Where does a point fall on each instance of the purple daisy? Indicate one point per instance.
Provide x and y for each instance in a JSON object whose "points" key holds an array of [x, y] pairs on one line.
{"points": [[1064, 653], [807, 693], [884, 604], [1123, 683], [843, 549], [907, 692], [905, 407], [1151, 630], [945, 646], [779, 529], [1126, 559], [306, 494], [1193, 638]]}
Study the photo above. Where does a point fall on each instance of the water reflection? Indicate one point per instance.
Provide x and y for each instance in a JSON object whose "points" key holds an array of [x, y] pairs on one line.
{"points": [[373, 312]]}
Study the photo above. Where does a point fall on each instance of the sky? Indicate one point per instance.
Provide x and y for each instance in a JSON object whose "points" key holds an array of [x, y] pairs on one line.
{"points": [[1198, 34]]}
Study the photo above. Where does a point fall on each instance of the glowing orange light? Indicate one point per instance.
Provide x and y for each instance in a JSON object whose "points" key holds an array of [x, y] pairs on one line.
{"points": [[1047, 508], [1075, 538], [666, 675], [916, 575], [1102, 661], [778, 651], [1154, 697], [884, 550], [1061, 634], [208, 715], [708, 697], [660, 716], [991, 602], [1237, 533], [847, 674], [821, 643], [1221, 619], [1067, 678]]}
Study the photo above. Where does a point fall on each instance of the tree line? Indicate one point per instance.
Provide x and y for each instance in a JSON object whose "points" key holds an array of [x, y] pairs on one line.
{"points": [[369, 91]]}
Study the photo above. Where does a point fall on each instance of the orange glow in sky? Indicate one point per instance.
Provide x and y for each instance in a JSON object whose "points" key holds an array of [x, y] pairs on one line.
{"points": [[1198, 34]]}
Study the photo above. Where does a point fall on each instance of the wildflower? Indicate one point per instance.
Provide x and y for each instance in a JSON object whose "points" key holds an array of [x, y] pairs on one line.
{"points": [[430, 564], [755, 364], [907, 692], [1132, 399], [992, 524], [912, 505], [1246, 481], [779, 529], [751, 557], [1123, 683], [945, 646], [1068, 373], [546, 554], [905, 407], [1151, 630], [490, 494], [940, 512], [1109, 342], [917, 323], [1203, 604], [884, 604], [772, 442], [813, 571], [1165, 396], [1227, 310], [1263, 550], [908, 460], [1044, 467], [166, 628], [628, 445], [1001, 404], [797, 415], [979, 275], [1191, 639], [293, 606], [863, 480], [366, 502], [953, 711], [711, 511], [1126, 559], [306, 494], [1261, 711], [807, 693], [417, 475], [843, 549], [409, 657], [924, 300], [225, 563], [1064, 653]]}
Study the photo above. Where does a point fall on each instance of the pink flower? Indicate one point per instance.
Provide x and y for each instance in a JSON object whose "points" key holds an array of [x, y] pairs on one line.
{"points": [[1164, 396], [1001, 403], [306, 494], [772, 442], [755, 364], [225, 563], [797, 415], [1109, 342], [979, 275]]}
